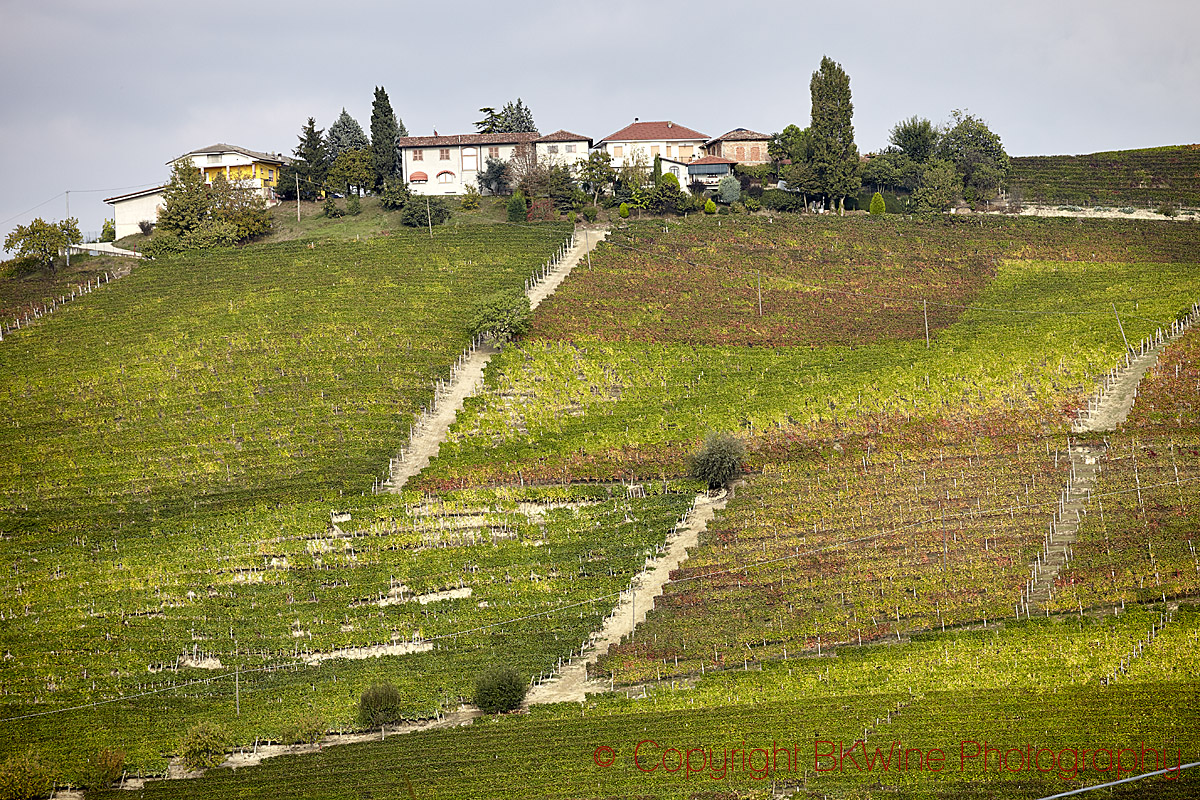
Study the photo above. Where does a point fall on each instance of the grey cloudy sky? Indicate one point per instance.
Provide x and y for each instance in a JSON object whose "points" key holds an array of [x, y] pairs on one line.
{"points": [[98, 95]]}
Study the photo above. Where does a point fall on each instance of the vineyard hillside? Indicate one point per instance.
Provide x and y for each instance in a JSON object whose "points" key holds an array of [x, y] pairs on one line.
{"points": [[1150, 178], [192, 532]]}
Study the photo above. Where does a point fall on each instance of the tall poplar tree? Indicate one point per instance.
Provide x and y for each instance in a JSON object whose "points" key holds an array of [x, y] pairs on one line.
{"points": [[384, 131], [835, 156]]}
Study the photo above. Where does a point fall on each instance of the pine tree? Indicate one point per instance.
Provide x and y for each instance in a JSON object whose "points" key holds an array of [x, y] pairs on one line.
{"points": [[835, 156], [383, 138], [311, 162], [185, 200], [656, 171], [345, 134]]}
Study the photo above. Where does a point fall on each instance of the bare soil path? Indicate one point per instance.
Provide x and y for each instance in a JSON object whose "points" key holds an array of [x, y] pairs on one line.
{"points": [[432, 429], [1106, 411], [571, 683]]}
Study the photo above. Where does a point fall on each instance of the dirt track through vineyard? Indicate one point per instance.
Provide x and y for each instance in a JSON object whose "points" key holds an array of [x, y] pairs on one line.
{"points": [[1106, 411], [428, 438]]}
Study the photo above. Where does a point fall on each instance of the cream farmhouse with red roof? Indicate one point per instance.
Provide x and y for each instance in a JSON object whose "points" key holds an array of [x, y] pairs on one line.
{"points": [[639, 142]]}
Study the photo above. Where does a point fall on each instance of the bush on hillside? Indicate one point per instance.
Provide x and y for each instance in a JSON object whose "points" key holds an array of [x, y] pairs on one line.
{"points": [[394, 195], [470, 199], [146, 227], [590, 213], [709, 206], [421, 212], [517, 209], [104, 768], [502, 316], [308, 729], [331, 208], [204, 745], [379, 705], [108, 232], [623, 211], [213, 233], [718, 460], [354, 206], [877, 204], [162, 244], [499, 689]]}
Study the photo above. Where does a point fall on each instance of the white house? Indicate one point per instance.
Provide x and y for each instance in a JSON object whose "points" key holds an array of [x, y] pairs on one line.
{"points": [[642, 141], [259, 171], [449, 164], [562, 147], [130, 209]]}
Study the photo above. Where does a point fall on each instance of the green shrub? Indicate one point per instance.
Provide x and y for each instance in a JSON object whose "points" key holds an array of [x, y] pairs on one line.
{"points": [[571, 217], [210, 234], [517, 209], [718, 460], [502, 316], [331, 208], [709, 206], [104, 768], [146, 227], [1167, 210], [780, 200], [541, 210], [470, 199], [108, 231], [394, 195], [354, 206], [162, 244], [752, 204], [379, 705], [623, 211], [590, 213], [420, 212], [305, 730], [204, 745], [1128, 210], [499, 689], [877, 204], [24, 776]]}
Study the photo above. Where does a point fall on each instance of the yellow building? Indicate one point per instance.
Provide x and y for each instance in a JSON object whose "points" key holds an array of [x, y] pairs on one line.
{"points": [[247, 167]]}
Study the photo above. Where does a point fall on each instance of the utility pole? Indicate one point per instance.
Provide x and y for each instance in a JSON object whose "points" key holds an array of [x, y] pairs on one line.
{"points": [[297, 197], [1115, 314]]}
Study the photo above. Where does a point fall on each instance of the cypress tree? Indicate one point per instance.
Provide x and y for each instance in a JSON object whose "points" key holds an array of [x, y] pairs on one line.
{"points": [[383, 138], [835, 156]]}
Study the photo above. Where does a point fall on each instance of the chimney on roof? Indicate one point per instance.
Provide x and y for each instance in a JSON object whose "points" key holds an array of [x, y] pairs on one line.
{"points": [[669, 123], [635, 119]]}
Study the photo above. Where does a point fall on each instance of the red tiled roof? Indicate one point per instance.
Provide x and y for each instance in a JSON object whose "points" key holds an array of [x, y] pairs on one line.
{"points": [[564, 136], [741, 135], [713, 160], [661, 131], [468, 139]]}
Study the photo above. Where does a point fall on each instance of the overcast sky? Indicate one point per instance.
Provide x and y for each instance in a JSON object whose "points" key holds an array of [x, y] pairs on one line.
{"points": [[98, 95]]}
